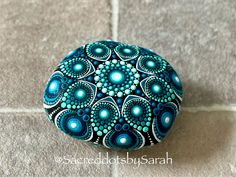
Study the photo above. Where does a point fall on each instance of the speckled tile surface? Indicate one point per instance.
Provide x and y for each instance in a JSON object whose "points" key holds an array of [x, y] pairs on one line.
{"points": [[197, 37], [36, 35]]}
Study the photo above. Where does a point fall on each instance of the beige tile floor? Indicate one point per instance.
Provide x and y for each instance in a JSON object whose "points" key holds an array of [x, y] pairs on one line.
{"points": [[198, 37]]}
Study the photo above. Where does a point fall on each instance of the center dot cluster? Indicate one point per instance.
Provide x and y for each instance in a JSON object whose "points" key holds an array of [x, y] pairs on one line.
{"points": [[116, 78]]}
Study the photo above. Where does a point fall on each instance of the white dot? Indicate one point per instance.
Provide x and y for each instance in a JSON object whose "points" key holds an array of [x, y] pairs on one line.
{"points": [[123, 140], [73, 125], [98, 50], [98, 72], [167, 120], [117, 76], [119, 94], [114, 61], [104, 90], [99, 84], [53, 86], [127, 91], [107, 62], [122, 62], [111, 93], [96, 78], [177, 79], [133, 87], [129, 65], [136, 81]]}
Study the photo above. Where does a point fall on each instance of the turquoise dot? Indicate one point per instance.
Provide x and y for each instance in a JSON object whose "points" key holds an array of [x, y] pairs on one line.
{"points": [[99, 133], [127, 50], [63, 105], [54, 86], [123, 140], [151, 64], [166, 119], [116, 77], [80, 94], [78, 67], [104, 113], [156, 88], [145, 129], [98, 50], [74, 125], [137, 110]]}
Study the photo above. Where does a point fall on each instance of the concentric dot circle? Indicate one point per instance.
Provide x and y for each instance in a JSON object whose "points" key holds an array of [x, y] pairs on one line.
{"points": [[98, 51], [123, 140], [137, 112], [166, 119], [74, 125], [126, 51], [75, 68], [104, 116], [116, 78], [78, 95], [159, 90], [152, 64]]}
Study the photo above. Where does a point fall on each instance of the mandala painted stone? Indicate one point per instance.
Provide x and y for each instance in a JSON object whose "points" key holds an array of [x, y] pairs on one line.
{"points": [[118, 95]]}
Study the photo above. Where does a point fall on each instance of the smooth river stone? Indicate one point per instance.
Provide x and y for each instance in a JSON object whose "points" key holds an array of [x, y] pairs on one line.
{"points": [[118, 95]]}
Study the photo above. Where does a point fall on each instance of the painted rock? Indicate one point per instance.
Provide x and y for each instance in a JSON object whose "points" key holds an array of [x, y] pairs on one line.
{"points": [[118, 95]]}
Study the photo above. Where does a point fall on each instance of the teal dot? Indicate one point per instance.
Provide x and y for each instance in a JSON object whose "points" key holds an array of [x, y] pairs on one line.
{"points": [[116, 77], [78, 67], [74, 125], [63, 105], [80, 94], [137, 111], [139, 128], [98, 50], [145, 129], [151, 64], [148, 123], [54, 86], [156, 88], [127, 50], [104, 114], [99, 133], [123, 140]]}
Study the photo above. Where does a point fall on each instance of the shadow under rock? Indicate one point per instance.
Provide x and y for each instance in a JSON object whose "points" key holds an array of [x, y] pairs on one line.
{"points": [[194, 137]]}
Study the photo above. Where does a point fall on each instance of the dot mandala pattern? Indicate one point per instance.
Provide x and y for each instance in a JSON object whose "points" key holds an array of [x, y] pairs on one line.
{"points": [[118, 95], [116, 78]]}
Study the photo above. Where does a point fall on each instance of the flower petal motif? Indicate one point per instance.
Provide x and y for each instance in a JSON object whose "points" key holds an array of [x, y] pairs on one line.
{"points": [[77, 68], [74, 125], [151, 64], [98, 51], [137, 112], [81, 94], [55, 87], [127, 52], [104, 115]]}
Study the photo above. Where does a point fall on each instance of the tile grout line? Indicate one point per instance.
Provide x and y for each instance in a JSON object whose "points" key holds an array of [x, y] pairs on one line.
{"points": [[114, 166], [115, 19], [114, 22], [213, 108], [21, 110]]}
